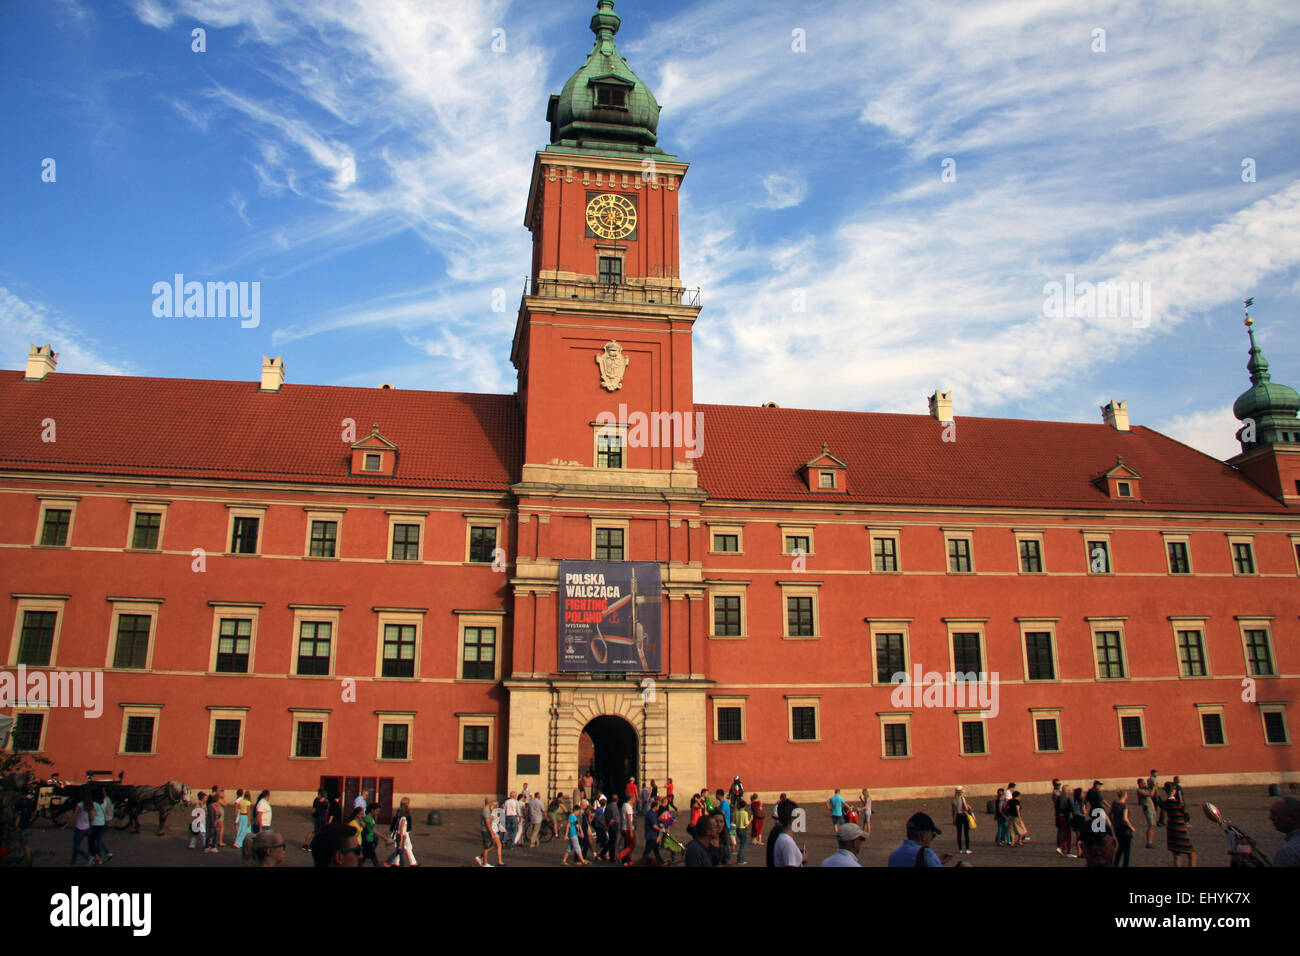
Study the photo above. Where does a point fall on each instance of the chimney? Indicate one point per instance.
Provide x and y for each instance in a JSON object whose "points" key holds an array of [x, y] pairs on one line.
{"points": [[40, 362], [272, 373], [941, 405], [1115, 414]]}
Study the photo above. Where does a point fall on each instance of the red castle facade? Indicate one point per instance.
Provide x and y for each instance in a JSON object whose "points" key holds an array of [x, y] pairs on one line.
{"points": [[285, 585]]}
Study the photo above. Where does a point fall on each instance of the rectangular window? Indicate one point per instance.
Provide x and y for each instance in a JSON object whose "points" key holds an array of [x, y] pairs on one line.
{"points": [[610, 270], [609, 544], [726, 615], [966, 656], [482, 544], [826, 479], [1275, 727], [314, 647], [1191, 653], [884, 552], [324, 535], [26, 733], [1038, 655], [609, 449], [1178, 560], [726, 542], [399, 650], [1045, 730], [799, 611], [1098, 557], [396, 737], [1258, 656], [1212, 729], [310, 740], [798, 542], [54, 532], [803, 723], [972, 737], [225, 737], [1110, 659], [132, 648], [476, 743], [1031, 557], [243, 539], [1131, 731], [891, 657], [233, 643], [480, 654], [729, 724], [1125, 489], [373, 462], [896, 740], [139, 735], [959, 555], [37, 640], [1243, 557], [144, 537], [406, 542]]}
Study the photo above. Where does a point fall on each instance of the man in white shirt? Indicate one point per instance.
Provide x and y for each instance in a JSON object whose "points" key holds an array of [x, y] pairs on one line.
{"points": [[536, 813], [785, 852], [850, 837], [511, 808], [362, 801]]}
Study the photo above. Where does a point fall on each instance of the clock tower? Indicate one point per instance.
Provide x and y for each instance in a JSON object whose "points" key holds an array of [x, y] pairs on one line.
{"points": [[603, 351]]}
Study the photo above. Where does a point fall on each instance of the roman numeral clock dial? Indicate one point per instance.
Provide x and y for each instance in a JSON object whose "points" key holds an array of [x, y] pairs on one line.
{"points": [[611, 217]]}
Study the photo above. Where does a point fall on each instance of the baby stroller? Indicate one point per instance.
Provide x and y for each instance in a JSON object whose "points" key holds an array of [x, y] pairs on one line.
{"points": [[676, 852]]}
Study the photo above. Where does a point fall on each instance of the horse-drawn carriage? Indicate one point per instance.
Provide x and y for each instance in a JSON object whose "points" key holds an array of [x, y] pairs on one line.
{"points": [[57, 798]]}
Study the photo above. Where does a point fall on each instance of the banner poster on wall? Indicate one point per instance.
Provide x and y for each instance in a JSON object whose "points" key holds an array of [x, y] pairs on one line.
{"points": [[609, 616]]}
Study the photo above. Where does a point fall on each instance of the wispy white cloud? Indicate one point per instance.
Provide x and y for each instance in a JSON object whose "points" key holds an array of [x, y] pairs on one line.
{"points": [[1209, 430], [24, 323]]}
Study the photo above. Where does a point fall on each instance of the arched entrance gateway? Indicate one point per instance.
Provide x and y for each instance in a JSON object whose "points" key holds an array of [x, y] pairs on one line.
{"points": [[608, 746]]}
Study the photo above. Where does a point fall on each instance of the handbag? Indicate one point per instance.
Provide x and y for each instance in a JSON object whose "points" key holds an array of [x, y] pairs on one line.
{"points": [[971, 817]]}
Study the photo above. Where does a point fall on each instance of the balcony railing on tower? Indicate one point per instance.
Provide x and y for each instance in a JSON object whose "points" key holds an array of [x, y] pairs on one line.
{"points": [[588, 291]]}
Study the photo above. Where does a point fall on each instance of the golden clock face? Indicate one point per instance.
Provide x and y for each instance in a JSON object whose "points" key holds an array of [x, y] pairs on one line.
{"points": [[610, 216]]}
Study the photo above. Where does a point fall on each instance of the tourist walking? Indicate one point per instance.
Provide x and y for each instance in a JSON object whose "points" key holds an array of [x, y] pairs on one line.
{"points": [[511, 810], [488, 833], [781, 848], [1146, 802], [654, 830], [756, 813], [400, 836], [220, 796], [101, 814], [1123, 827], [80, 824], [573, 846], [961, 819], [1062, 815], [320, 817], [742, 817], [242, 806], [369, 836], [629, 831], [1177, 839], [535, 813], [199, 824], [262, 811], [1015, 821], [999, 803], [836, 805], [866, 811], [214, 820]]}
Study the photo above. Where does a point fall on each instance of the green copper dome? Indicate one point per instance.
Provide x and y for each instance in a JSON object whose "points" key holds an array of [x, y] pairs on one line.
{"points": [[605, 106], [1270, 406]]}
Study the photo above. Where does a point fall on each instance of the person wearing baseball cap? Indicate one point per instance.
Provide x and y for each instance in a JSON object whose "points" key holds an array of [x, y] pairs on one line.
{"points": [[921, 832], [850, 837]]}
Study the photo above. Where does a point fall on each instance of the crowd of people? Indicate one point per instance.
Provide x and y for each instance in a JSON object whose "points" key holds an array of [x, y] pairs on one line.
{"points": [[722, 824]]}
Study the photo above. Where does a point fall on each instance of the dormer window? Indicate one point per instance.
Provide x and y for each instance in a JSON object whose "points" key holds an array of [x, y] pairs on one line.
{"points": [[826, 479], [825, 472], [374, 455], [608, 96], [1125, 489], [1120, 482]]}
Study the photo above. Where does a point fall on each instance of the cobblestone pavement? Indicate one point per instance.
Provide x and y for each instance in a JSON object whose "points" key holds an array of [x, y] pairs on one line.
{"points": [[456, 841]]}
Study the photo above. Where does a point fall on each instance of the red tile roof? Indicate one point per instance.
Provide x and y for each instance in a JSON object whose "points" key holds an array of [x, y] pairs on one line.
{"points": [[189, 428], [756, 453]]}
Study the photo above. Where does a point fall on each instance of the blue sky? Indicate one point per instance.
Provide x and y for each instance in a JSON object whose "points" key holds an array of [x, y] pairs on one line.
{"points": [[368, 164]]}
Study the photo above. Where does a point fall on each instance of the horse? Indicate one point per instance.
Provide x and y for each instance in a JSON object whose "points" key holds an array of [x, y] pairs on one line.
{"points": [[162, 799]]}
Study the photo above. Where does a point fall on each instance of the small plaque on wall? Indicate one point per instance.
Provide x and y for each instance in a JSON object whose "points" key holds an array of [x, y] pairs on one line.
{"points": [[528, 763]]}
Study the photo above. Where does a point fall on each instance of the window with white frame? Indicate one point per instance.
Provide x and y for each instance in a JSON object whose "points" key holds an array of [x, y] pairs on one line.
{"points": [[1029, 545], [1109, 656], [1189, 645], [1132, 728], [729, 720], [1213, 731], [323, 532], [1257, 643], [145, 529], [726, 539], [1097, 552], [1047, 729], [132, 625], [1178, 553], [802, 617], [54, 530], [310, 733], [972, 733], [1038, 638], [244, 534], [139, 729], [226, 731], [796, 539], [477, 737], [1243, 554], [884, 550], [1276, 730], [395, 735], [727, 606], [315, 632], [399, 643], [480, 633], [895, 735], [804, 718], [405, 536], [234, 638], [38, 624]]}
